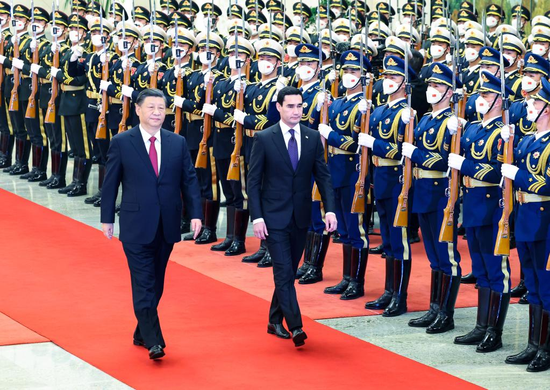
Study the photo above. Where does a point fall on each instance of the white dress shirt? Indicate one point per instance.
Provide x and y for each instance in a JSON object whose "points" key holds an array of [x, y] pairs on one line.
{"points": [[146, 140]]}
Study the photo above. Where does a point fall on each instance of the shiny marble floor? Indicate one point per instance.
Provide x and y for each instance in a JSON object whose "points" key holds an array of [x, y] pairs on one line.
{"points": [[47, 366]]}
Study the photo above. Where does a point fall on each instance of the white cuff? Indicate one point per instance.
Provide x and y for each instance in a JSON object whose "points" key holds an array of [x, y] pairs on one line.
{"points": [[257, 220]]}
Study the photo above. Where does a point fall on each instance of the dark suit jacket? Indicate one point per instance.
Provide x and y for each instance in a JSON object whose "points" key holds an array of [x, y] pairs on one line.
{"points": [[146, 198], [275, 191]]}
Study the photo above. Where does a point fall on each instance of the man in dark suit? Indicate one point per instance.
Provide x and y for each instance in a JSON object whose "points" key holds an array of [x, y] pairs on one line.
{"points": [[156, 173], [284, 158]]}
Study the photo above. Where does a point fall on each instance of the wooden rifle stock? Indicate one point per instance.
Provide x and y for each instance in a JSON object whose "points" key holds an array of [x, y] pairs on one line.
{"points": [[31, 106], [2, 43], [235, 167], [206, 129], [334, 85], [125, 100], [153, 80], [101, 132], [50, 112], [402, 213], [502, 244], [179, 92], [14, 97], [315, 194]]}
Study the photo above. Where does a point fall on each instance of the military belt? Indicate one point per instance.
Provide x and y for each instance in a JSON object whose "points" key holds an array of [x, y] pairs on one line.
{"points": [[221, 125], [194, 117], [424, 174], [384, 162], [8, 71], [66, 88], [115, 101], [93, 95], [526, 197], [333, 150], [250, 133], [44, 81], [473, 183]]}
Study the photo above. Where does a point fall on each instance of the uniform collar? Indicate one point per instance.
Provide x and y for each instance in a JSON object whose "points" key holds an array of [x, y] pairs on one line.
{"points": [[349, 97], [437, 113], [395, 102], [541, 134]]}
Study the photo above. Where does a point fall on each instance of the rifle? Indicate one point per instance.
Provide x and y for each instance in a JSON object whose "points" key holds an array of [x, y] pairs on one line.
{"points": [[31, 106], [502, 244], [14, 97], [50, 112], [154, 74], [101, 132], [402, 213], [2, 41], [179, 83], [358, 204], [234, 168], [202, 157], [126, 81], [334, 85]]}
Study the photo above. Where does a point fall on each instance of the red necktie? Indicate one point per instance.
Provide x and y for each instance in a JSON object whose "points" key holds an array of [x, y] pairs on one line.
{"points": [[153, 155]]}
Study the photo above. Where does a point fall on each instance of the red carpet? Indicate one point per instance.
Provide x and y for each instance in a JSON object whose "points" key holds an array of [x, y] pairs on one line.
{"points": [[313, 302], [74, 289], [12, 333]]}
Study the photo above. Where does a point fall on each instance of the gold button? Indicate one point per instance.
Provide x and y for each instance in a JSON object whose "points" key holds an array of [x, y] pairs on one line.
{"points": [[351, 158], [466, 191], [218, 130], [395, 169], [522, 160], [542, 209], [435, 183], [488, 195]]}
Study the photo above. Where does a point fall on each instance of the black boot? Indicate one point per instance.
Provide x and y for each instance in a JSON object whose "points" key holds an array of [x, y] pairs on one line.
{"points": [[59, 178], [67, 189], [523, 300], [497, 315], [307, 255], [229, 232], [520, 289], [356, 286], [468, 279], [190, 236], [55, 169], [314, 273], [22, 150], [478, 333], [401, 277], [541, 362], [256, 257], [377, 250], [6, 146], [101, 170], [529, 353], [208, 234], [239, 233], [435, 297], [343, 285], [83, 172], [41, 164], [445, 318], [100, 177], [266, 261], [385, 299], [35, 162]]}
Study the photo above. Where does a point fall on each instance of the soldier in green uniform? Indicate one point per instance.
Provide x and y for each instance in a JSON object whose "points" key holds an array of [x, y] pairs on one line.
{"points": [[7, 138]]}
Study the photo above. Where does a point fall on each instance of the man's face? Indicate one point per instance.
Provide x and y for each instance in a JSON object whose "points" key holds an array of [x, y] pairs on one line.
{"points": [[151, 112], [291, 110], [440, 87], [271, 59], [534, 75]]}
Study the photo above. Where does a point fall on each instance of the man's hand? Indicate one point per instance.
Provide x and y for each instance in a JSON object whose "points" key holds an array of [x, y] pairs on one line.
{"points": [[325, 130], [196, 226], [330, 222], [456, 161], [108, 229], [239, 116], [260, 230]]}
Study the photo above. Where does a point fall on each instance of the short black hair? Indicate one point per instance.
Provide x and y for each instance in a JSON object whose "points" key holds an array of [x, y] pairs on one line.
{"points": [[288, 91], [149, 92]]}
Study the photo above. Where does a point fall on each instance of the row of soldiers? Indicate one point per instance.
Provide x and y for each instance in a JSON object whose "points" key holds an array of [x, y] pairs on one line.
{"points": [[360, 72]]}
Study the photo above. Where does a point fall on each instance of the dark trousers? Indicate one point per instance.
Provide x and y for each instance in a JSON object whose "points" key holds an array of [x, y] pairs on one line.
{"points": [[232, 189], [286, 247], [147, 263], [75, 127]]}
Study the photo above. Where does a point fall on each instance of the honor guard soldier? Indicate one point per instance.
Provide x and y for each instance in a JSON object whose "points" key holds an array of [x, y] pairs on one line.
{"points": [[329, 40], [119, 15], [168, 6], [254, 117], [473, 40], [441, 43], [520, 17], [264, 32], [480, 162], [224, 102], [393, 47], [494, 17], [190, 8], [214, 12], [341, 138], [513, 50], [343, 29], [182, 22], [7, 138], [429, 153], [301, 15], [282, 22], [531, 177], [235, 26], [255, 20], [541, 41], [142, 16], [292, 41], [387, 129], [324, 16], [17, 114]]}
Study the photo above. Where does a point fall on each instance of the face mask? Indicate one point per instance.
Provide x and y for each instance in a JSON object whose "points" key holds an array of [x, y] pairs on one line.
{"points": [[515, 23], [123, 45], [510, 59], [461, 30], [116, 40], [296, 20], [389, 87], [206, 24], [204, 57], [327, 53], [528, 84], [538, 49], [89, 18], [322, 24], [150, 48], [97, 40], [491, 21], [139, 23], [305, 73], [3, 21], [38, 28], [254, 29], [343, 37], [19, 25], [471, 54], [406, 20], [350, 81], [436, 51], [433, 96], [74, 36], [336, 12], [233, 62], [291, 50], [265, 67], [56, 31], [532, 112], [482, 106], [376, 44]]}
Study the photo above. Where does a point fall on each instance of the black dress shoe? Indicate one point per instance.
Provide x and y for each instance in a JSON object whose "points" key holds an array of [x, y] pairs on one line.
{"points": [[278, 330], [377, 250], [27, 175], [44, 183], [92, 199], [255, 257], [206, 237], [237, 248], [185, 227], [19, 170], [139, 343], [222, 246], [299, 337], [468, 279], [414, 238], [266, 261], [38, 177], [523, 300], [156, 352], [56, 183]]}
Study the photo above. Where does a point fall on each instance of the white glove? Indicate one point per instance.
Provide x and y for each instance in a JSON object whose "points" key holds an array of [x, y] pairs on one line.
{"points": [[32, 45], [449, 58], [408, 149], [76, 52], [195, 55], [104, 85], [364, 105], [209, 109], [127, 91], [521, 62], [505, 132], [17, 63], [151, 65], [54, 71], [321, 96], [281, 83], [207, 77], [178, 101], [460, 92], [54, 47], [509, 171], [325, 130], [103, 58], [452, 124], [126, 63], [13, 39], [2, 59], [456, 161], [239, 116], [35, 68], [406, 116], [238, 85], [366, 140], [332, 76]]}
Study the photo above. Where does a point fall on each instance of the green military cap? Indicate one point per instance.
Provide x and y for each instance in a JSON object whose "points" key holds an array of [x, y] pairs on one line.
{"points": [[79, 5], [253, 17], [130, 29], [385, 9], [162, 19], [95, 7], [78, 21], [279, 19], [437, 13], [212, 8], [302, 9], [41, 14], [324, 13], [142, 13], [182, 19], [468, 6], [373, 16], [172, 5], [464, 15], [363, 7], [251, 4], [189, 6], [5, 8], [119, 11], [343, 4], [21, 11], [522, 11], [495, 10], [213, 39], [61, 18], [235, 10], [408, 9], [274, 6]]}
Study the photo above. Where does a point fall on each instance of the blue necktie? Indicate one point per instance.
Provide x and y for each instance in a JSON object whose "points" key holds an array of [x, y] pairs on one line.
{"points": [[293, 149]]}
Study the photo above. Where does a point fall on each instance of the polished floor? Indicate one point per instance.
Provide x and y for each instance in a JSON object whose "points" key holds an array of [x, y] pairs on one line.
{"points": [[46, 366]]}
